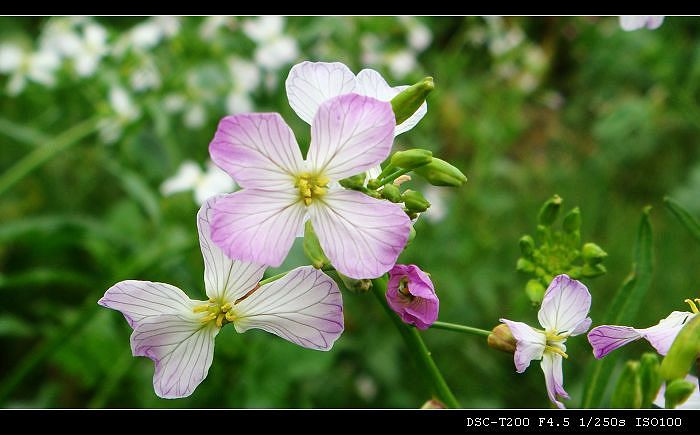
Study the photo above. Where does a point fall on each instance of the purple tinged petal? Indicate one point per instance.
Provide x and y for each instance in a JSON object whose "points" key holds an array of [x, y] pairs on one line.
{"points": [[360, 235], [138, 300], [258, 150], [304, 307], [257, 226], [350, 134], [662, 334], [582, 327], [309, 84], [565, 305], [606, 338], [182, 348], [554, 379], [419, 309], [529, 344], [224, 279]]}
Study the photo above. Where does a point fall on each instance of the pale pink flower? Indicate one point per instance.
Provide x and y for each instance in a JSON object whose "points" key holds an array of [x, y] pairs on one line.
{"points": [[410, 293]]}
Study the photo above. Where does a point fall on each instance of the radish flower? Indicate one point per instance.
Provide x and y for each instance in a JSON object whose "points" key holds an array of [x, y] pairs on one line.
{"points": [[362, 236], [606, 338], [410, 293], [563, 313], [177, 333]]}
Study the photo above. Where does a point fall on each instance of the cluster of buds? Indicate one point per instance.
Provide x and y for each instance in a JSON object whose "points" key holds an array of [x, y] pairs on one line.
{"points": [[559, 251]]}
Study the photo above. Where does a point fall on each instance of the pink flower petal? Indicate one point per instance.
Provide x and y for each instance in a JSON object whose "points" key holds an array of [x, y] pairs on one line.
{"points": [[304, 307], [421, 309], [606, 338], [554, 378], [662, 334], [258, 150], [138, 300], [565, 305], [529, 343], [182, 349], [362, 236], [258, 226], [309, 84], [224, 279], [349, 135]]}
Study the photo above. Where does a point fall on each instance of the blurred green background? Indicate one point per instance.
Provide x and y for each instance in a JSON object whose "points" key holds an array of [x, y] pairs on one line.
{"points": [[97, 113]]}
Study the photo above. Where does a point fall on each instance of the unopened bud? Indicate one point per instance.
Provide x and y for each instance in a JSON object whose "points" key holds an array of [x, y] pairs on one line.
{"points": [[410, 99], [415, 201], [628, 391], [591, 271], [356, 285], [535, 291], [683, 351], [433, 404], [572, 221], [391, 192], [525, 266], [649, 377], [527, 246], [411, 159], [440, 173], [678, 391], [593, 254], [355, 182], [502, 339], [549, 211], [312, 248]]}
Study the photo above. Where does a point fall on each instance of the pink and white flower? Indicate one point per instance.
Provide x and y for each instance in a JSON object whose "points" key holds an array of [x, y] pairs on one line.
{"points": [[563, 314], [636, 22], [177, 333], [361, 235], [606, 338], [410, 293]]}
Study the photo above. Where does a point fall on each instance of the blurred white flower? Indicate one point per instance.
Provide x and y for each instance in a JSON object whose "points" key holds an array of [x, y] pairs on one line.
{"points": [[11, 56], [371, 53], [635, 22], [91, 51], [195, 116], [401, 62], [61, 35], [238, 103], [366, 387], [211, 25], [173, 103], [151, 32], [204, 184], [438, 199], [246, 78], [124, 111], [274, 49], [39, 66], [146, 76], [419, 35]]}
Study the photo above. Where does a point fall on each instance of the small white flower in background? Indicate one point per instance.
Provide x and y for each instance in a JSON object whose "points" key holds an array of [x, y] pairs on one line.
{"points": [[92, 49], [39, 67], [210, 26], [437, 198], [124, 111], [151, 32], [146, 76], [195, 116], [61, 36], [636, 22], [274, 49], [401, 63], [419, 36], [246, 78], [204, 184]]}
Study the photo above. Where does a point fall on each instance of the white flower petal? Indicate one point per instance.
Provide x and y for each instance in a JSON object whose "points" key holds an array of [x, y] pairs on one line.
{"points": [[554, 378], [138, 300], [529, 344], [224, 279], [184, 179], [350, 134], [662, 335], [304, 307], [565, 305], [309, 84], [182, 348], [413, 119]]}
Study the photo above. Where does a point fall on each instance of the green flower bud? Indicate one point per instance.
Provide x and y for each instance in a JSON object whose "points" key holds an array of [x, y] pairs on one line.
{"points": [[415, 201], [391, 192], [525, 266], [411, 235], [678, 391], [413, 158], [433, 404], [312, 248], [650, 378], [356, 285], [593, 254], [373, 184], [502, 339], [535, 291], [440, 173], [572, 221], [628, 391], [356, 182], [683, 352], [549, 211], [591, 271], [527, 246], [409, 100], [574, 272]]}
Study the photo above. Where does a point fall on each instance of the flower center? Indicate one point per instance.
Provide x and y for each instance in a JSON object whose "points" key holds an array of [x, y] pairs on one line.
{"points": [[693, 307], [215, 311], [311, 186], [403, 289], [553, 342]]}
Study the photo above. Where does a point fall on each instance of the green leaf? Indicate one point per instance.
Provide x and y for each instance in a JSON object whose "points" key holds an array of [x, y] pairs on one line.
{"points": [[137, 188], [683, 352], [687, 219], [623, 311]]}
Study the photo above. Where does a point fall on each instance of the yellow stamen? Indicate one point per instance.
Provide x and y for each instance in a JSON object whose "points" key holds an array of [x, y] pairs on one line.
{"points": [[693, 307], [230, 316], [226, 307], [201, 308], [556, 350], [208, 318], [311, 186], [220, 319], [554, 337]]}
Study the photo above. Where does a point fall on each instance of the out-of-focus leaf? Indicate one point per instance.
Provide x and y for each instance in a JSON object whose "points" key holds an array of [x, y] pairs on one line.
{"points": [[12, 326], [688, 220]]}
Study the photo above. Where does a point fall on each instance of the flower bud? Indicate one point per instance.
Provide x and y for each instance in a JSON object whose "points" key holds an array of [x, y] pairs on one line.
{"points": [[572, 221], [678, 391], [502, 339], [391, 192], [312, 248], [527, 246], [549, 211], [535, 291], [593, 254], [524, 266], [411, 235], [683, 352], [591, 271], [410, 99], [628, 391], [574, 272], [358, 286], [433, 404], [440, 173], [649, 377], [410, 293], [356, 182], [415, 201], [411, 159]]}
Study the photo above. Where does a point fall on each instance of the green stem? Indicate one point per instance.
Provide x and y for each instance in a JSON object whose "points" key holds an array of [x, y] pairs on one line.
{"points": [[394, 176], [46, 152], [385, 171], [280, 275], [417, 348], [460, 328]]}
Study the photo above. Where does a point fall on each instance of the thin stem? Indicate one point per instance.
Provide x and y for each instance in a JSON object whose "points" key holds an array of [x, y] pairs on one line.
{"points": [[386, 171], [460, 328], [280, 275], [417, 348], [390, 178]]}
